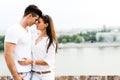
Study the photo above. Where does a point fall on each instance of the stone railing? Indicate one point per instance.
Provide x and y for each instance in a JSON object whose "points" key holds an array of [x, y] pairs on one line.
{"points": [[88, 77], [5, 77], [82, 77]]}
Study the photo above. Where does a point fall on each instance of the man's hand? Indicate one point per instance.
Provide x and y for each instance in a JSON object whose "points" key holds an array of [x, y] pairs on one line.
{"points": [[18, 78], [25, 61]]}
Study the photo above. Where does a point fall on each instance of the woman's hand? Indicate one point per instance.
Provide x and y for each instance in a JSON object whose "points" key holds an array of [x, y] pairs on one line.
{"points": [[25, 61]]}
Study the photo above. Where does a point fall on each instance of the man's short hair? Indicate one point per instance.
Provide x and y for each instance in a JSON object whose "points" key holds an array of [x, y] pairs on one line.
{"points": [[33, 9]]}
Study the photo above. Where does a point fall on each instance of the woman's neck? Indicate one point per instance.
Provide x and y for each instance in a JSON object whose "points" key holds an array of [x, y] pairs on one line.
{"points": [[43, 34]]}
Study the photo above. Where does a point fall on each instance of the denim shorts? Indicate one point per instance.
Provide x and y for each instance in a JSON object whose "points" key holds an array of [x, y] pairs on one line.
{"points": [[26, 76]]}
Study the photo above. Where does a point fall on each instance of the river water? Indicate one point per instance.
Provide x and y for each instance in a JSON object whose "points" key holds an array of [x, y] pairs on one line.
{"points": [[82, 61]]}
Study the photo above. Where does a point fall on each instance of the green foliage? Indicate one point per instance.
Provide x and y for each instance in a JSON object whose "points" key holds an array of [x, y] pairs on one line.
{"points": [[86, 37], [114, 38], [89, 36], [1, 46], [2, 42], [105, 30], [78, 38], [101, 39], [64, 40], [67, 37]]}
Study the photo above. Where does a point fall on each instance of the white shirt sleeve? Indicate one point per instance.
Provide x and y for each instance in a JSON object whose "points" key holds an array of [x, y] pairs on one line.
{"points": [[11, 35], [50, 56]]}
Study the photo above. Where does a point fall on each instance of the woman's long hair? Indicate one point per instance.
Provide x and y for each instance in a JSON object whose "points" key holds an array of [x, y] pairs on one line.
{"points": [[50, 31]]}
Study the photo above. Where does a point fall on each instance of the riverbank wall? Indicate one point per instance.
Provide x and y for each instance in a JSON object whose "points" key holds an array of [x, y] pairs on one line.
{"points": [[82, 77]]}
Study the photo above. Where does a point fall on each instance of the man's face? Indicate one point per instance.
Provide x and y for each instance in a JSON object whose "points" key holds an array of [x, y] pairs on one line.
{"points": [[33, 20]]}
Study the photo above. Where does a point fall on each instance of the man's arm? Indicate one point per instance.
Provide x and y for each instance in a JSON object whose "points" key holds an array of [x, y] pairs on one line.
{"points": [[8, 54]]}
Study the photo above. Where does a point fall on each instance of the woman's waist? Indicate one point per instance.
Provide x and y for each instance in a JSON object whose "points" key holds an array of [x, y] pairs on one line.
{"points": [[41, 68]]}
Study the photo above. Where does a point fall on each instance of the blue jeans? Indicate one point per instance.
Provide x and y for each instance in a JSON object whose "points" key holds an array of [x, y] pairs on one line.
{"points": [[49, 76], [26, 76]]}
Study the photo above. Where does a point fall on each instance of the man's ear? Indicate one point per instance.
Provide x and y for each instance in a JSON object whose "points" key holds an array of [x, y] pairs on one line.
{"points": [[29, 15]]}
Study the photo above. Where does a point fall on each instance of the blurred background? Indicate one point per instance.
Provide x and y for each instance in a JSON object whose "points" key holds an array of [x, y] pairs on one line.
{"points": [[88, 32]]}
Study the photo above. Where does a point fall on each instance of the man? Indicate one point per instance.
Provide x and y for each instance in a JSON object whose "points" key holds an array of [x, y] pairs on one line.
{"points": [[18, 43]]}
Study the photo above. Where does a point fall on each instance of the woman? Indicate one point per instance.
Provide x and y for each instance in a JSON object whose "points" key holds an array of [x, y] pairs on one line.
{"points": [[43, 50]]}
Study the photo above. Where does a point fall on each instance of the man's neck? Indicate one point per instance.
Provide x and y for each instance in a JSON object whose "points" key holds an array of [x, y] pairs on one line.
{"points": [[23, 24]]}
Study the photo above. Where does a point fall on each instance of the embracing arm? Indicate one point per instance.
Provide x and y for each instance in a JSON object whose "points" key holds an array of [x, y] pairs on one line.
{"points": [[8, 54], [26, 61], [39, 62], [48, 60]]}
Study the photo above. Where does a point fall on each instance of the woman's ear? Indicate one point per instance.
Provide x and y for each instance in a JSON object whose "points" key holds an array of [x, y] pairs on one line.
{"points": [[46, 24]]}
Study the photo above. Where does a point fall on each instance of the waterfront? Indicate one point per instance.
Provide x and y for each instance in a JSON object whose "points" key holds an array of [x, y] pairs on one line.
{"points": [[88, 61], [82, 61]]}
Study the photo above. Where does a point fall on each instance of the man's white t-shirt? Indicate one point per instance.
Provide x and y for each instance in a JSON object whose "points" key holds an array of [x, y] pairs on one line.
{"points": [[18, 35]]}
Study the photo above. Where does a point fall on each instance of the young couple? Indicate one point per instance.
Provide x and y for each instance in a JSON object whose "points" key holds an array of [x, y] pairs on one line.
{"points": [[29, 59]]}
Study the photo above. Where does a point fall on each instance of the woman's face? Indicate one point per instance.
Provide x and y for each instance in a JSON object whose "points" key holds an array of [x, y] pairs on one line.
{"points": [[41, 25]]}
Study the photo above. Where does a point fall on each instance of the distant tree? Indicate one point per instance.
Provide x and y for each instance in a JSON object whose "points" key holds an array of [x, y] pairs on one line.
{"points": [[78, 39], [2, 38], [2, 42], [105, 29], [64, 40], [101, 39], [93, 36], [68, 38], [60, 38], [1, 46], [86, 36], [114, 38], [73, 38]]}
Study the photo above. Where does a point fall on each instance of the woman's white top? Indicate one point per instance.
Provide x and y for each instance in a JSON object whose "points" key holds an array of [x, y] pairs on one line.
{"points": [[39, 53]]}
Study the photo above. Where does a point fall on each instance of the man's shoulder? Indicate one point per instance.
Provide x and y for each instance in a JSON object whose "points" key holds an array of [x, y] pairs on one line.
{"points": [[14, 26], [13, 29]]}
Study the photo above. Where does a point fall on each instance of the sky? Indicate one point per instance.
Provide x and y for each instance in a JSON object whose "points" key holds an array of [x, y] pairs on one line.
{"points": [[66, 14]]}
